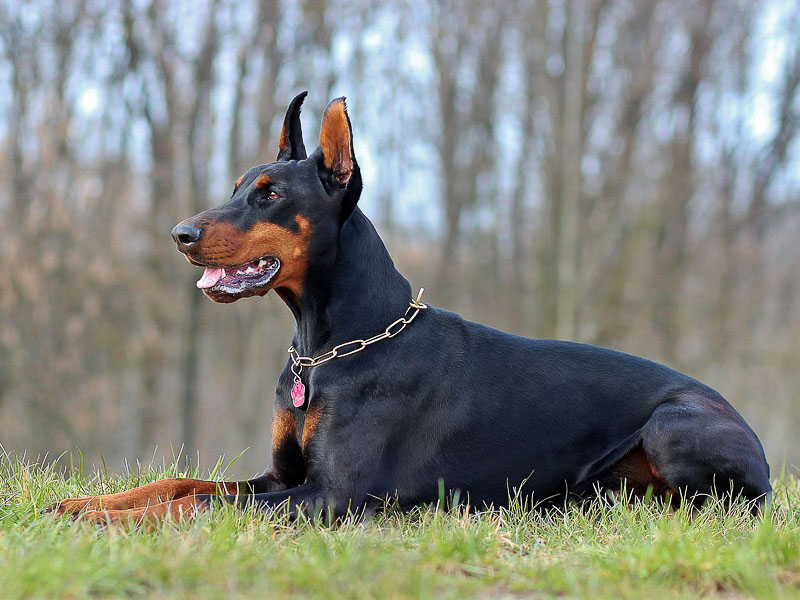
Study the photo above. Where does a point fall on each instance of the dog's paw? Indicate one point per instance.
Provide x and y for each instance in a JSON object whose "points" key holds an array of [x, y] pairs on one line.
{"points": [[69, 506]]}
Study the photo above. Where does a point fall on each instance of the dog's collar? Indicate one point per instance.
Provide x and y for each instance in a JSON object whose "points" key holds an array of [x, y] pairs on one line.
{"points": [[348, 348]]}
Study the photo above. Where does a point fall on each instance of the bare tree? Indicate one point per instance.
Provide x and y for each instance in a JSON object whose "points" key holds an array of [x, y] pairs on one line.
{"points": [[466, 143]]}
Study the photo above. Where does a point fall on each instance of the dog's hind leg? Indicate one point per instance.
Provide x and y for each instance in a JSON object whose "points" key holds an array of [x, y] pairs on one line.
{"points": [[700, 445]]}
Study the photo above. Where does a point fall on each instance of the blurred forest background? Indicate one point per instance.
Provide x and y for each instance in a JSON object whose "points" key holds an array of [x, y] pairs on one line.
{"points": [[620, 172]]}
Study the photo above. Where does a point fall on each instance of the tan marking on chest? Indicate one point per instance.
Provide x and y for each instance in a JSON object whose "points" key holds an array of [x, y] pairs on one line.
{"points": [[284, 428], [311, 424]]}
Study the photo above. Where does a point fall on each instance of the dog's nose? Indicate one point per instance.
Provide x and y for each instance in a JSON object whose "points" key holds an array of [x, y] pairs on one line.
{"points": [[186, 235]]}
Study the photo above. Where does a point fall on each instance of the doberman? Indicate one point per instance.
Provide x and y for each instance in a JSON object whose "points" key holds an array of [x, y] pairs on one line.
{"points": [[384, 397]]}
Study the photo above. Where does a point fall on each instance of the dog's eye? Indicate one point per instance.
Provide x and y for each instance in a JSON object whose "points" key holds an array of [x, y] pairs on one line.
{"points": [[273, 195]]}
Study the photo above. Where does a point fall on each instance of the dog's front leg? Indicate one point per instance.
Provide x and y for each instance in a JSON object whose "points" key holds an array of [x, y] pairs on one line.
{"points": [[168, 498], [149, 494], [310, 499], [341, 475], [288, 470]]}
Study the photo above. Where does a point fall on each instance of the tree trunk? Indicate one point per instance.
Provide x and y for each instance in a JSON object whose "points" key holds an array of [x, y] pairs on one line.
{"points": [[571, 154]]}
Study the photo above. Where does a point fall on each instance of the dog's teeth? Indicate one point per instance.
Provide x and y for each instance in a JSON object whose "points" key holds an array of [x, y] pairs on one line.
{"points": [[250, 270], [223, 274], [262, 262]]}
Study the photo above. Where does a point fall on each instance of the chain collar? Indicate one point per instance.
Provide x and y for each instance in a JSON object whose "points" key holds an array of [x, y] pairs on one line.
{"points": [[348, 348]]}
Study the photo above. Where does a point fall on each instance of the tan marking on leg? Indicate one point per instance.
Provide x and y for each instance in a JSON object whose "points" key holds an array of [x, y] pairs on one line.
{"points": [[639, 473], [151, 493], [181, 509]]}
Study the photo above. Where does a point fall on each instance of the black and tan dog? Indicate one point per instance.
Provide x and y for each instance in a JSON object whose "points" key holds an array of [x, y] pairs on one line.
{"points": [[383, 397]]}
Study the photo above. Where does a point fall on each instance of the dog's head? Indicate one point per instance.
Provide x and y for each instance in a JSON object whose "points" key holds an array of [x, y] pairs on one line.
{"points": [[281, 215]]}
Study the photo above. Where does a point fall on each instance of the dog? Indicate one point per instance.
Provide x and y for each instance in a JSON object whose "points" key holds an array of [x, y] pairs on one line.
{"points": [[385, 397]]}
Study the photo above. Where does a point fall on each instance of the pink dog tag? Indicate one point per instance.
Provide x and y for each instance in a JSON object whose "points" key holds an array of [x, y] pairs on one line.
{"points": [[298, 394]]}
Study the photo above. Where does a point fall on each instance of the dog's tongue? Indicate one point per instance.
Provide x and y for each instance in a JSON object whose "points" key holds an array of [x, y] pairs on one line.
{"points": [[210, 277]]}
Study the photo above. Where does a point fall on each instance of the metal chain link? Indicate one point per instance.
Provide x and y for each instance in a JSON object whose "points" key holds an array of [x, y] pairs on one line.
{"points": [[299, 362]]}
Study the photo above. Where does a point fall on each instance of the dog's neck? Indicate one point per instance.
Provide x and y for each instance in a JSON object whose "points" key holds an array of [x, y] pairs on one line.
{"points": [[355, 297]]}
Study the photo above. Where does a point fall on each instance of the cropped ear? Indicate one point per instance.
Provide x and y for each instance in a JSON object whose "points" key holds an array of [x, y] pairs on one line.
{"points": [[338, 165], [291, 146], [336, 143]]}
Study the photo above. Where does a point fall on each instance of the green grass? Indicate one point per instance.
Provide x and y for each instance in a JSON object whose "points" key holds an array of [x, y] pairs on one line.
{"points": [[602, 550]]}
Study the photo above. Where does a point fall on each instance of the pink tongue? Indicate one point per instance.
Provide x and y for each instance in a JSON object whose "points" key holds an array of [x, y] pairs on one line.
{"points": [[210, 277]]}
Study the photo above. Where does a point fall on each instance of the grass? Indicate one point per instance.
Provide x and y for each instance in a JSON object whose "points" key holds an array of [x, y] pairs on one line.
{"points": [[604, 549]]}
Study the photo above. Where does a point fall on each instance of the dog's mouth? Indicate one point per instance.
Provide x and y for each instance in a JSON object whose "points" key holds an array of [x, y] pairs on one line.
{"points": [[235, 280]]}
